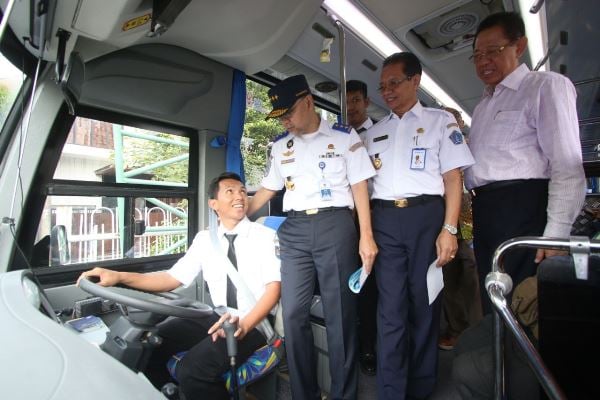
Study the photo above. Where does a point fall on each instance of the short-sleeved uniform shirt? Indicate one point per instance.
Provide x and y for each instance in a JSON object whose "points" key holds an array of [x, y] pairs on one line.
{"points": [[332, 154], [414, 152], [257, 262]]}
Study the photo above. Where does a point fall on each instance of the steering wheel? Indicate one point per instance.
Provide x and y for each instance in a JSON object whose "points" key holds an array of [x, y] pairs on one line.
{"points": [[171, 304]]}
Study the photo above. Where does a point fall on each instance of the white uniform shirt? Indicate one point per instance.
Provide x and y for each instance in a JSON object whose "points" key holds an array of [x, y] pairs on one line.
{"points": [[362, 129], [414, 152], [296, 159], [257, 262], [527, 128]]}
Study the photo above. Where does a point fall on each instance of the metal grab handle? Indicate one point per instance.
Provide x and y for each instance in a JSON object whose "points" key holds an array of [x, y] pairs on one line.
{"points": [[498, 284]]}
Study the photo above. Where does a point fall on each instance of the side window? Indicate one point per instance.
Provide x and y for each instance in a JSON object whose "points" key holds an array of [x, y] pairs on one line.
{"points": [[117, 192], [258, 133]]}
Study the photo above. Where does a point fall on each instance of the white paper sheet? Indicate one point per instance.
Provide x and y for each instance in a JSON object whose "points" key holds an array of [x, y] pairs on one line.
{"points": [[435, 281]]}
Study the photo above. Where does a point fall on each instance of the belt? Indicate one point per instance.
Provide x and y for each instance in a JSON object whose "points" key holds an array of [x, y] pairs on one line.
{"points": [[406, 202], [314, 211], [502, 184]]}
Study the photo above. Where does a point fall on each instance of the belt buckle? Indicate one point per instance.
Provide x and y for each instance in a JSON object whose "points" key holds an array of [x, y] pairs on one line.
{"points": [[401, 203], [312, 211]]}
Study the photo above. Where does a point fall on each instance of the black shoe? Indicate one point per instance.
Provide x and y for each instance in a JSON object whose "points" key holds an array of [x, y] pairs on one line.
{"points": [[368, 364]]}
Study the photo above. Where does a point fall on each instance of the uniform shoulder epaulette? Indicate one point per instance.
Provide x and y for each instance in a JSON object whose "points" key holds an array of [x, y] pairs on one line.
{"points": [[280, 136], [341, 127]]}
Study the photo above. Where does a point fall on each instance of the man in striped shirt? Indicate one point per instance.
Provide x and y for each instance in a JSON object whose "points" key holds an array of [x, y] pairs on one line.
{"points": [[528, 177]]}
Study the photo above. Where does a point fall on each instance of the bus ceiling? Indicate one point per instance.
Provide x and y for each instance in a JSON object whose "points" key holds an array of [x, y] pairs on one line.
{"points": [[286, 37]]}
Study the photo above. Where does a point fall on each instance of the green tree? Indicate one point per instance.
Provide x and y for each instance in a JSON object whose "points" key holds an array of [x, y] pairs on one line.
{"points": [[139, 153], [258, 132]]}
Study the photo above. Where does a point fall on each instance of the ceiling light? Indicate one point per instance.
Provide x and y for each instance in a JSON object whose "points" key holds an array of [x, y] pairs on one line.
{"points": [[364, 28]]}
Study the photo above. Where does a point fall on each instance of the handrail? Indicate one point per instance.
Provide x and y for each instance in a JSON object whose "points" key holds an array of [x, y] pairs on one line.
{"points": [[342, 38], [498, 284], [586, 81]]}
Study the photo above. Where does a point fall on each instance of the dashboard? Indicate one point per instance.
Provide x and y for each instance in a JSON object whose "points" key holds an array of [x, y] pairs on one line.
{"points": [[41, 359]]}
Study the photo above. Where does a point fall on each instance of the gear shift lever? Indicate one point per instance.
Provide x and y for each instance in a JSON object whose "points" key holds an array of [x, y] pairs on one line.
{"points": [[230, 329]]}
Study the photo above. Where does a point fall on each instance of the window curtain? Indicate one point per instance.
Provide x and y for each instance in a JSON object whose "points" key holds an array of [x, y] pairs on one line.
{"points": [[235, 128]]}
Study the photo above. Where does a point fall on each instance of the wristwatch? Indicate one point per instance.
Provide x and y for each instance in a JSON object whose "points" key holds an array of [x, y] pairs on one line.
{"points": [[450, 228]]}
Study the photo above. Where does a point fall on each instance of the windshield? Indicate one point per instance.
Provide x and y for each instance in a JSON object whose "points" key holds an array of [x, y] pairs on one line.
{"points": [[11, 80]]}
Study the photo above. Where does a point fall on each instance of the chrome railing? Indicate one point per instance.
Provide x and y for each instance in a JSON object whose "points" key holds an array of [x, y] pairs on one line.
{"points": [[498, 284]]}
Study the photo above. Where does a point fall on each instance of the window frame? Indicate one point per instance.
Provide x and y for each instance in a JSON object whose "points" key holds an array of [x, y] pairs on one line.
{"points": [[48, 186]]}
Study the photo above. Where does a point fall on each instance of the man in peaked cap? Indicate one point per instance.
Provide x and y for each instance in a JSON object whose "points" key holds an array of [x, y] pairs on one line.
{"points": [[324, 170]]}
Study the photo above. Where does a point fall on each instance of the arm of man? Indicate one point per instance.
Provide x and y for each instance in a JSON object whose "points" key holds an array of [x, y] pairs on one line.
{"points": [[366, 245], [558, 137], [150, 282], [446, 244], [259, 199], [261, 309]]}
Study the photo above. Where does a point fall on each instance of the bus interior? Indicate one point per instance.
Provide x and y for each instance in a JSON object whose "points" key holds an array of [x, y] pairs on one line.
{"points": [[117, 114]]}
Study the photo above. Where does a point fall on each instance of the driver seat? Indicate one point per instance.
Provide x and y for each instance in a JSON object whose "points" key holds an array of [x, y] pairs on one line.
{"points": [[257, 373]]}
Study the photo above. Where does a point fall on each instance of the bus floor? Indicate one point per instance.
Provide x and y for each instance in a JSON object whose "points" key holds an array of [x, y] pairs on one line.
{"points": [[367, 386]]}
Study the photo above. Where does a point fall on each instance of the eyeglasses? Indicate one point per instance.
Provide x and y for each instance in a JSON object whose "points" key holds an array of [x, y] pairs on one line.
{"points": [[392, 84], [491, 53], [289, 113]]}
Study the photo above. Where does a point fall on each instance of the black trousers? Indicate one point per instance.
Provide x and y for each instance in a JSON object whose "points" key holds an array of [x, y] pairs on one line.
{"points": [[324, 246], [407, 325], [200, 372], [502, 214], [367, 316]]}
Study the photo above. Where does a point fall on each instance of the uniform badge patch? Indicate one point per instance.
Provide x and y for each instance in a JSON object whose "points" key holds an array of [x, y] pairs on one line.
{"points": [[357, 146], [456, 137], [342, 127]]}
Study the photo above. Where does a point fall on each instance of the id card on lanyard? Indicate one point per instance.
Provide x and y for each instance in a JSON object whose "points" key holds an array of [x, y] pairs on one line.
{"points": [[324, 185], [417, 159]]}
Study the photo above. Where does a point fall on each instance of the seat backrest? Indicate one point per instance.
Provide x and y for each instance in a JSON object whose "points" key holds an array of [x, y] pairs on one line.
{"points": [[569, 325]]}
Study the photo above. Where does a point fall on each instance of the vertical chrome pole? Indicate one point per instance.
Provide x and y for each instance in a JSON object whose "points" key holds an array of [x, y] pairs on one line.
{"points": [[342, 38]]}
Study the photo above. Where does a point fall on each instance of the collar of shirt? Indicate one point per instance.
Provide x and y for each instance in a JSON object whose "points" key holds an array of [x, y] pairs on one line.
{"points": [[241, 229], [323, 128], [367, 124], [415, 110], [512, 81]]}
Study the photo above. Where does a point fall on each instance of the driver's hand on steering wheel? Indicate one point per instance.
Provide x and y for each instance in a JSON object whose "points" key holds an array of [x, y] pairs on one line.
{"points": [[216, 331], [106, 277]]}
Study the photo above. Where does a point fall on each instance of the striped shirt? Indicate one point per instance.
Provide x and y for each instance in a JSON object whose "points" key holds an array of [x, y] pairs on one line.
{"points": [[527, 128]]}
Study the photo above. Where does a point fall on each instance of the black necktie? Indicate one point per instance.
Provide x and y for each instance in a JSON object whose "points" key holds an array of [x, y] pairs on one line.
{"points": [[361, 129], [231, 289]]}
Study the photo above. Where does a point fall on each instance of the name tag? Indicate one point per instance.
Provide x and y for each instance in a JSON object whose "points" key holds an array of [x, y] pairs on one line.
{"points": [[417, 159]]}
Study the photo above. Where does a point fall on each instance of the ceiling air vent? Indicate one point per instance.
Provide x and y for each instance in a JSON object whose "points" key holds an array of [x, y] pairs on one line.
{"points": [[455, 29]]}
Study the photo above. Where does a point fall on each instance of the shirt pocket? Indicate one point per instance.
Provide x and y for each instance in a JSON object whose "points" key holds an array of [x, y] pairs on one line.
{"points": [[333, 166], [503, 126]]}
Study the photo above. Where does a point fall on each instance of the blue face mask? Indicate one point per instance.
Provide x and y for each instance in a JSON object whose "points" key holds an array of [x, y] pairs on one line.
{"points": [[357, 280]]}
